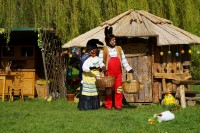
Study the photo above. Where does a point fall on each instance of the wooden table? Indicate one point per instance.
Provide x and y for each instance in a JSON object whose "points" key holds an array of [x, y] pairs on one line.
{"points": [[7, 80]]}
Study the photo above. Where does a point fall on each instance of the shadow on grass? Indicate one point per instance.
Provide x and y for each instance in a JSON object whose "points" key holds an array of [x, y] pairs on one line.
{"points": [[130, 106]]}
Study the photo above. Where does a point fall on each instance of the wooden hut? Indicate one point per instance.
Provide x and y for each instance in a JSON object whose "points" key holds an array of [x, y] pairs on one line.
{"points": [[31, 63], [157, 50]]}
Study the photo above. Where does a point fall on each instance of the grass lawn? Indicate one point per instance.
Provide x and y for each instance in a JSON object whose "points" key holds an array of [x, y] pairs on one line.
{"points": [[60, 116], [196, 88]]}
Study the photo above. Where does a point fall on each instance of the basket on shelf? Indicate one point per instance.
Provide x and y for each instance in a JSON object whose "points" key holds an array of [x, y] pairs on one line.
{"points": [[104, 82], [131, 86]]}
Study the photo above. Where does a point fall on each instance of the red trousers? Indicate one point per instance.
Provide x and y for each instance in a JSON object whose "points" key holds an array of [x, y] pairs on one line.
{"points": [[114, 69]]}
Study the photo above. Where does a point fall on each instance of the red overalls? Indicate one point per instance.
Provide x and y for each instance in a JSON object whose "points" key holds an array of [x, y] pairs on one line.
{"points": [[114, 69]]}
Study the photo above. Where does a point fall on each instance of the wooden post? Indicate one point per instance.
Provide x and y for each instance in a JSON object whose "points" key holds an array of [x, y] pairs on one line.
{"points": [[164, 84], [182, 94], [45, 71], [160, 91], [155, 94], [174, 65]]}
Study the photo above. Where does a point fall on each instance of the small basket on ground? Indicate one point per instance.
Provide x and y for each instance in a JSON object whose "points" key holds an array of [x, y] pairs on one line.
{"points": [[104, 82], [41, 90]]}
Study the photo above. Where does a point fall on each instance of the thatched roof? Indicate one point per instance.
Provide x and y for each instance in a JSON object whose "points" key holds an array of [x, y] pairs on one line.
{"points": [[138, 24]]}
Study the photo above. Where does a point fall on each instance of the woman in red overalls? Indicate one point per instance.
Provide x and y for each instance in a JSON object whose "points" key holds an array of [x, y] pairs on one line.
{"points": [[112, 59]]}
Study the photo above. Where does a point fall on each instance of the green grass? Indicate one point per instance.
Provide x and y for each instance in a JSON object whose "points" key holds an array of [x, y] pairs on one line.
{"points": [[61, 116], [196, 88]]}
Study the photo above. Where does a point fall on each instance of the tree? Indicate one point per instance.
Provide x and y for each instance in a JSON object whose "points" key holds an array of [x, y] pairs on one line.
{"points": [[71, 18]]}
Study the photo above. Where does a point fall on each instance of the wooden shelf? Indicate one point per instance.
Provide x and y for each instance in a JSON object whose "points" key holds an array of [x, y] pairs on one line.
{"points": [[17, 58], [23, 56]]}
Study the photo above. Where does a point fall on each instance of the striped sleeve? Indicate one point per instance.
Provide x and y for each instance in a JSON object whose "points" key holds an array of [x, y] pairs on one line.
{"points": [[125, 62]]}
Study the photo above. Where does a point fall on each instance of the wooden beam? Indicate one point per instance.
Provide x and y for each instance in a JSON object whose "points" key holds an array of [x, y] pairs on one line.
{"points": [[134, 55], [166, 75], [192, 98], [186, 82], [186, 92], [175, 76]]}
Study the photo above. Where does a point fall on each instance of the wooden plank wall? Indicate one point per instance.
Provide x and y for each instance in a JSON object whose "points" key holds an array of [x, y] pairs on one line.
{"points": [[144, 56], [142, 66], [136, 54]]}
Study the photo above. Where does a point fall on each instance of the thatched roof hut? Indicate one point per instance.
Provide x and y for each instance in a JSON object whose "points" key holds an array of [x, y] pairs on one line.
{"points": [[155, 49], [138, 24]]}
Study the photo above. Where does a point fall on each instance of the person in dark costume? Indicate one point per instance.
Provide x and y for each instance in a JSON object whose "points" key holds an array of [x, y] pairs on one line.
{"points": [[89, 69]]}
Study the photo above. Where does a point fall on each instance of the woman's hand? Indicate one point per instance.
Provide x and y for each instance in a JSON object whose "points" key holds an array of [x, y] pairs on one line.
{"points": [[131, 71], [91, 68], [103, 69]]}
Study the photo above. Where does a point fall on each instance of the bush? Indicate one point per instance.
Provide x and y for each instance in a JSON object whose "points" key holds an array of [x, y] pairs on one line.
{"points": [[195, 69]]}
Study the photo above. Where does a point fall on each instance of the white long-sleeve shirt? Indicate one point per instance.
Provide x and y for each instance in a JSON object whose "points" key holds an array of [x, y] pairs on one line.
{"points": [[88, 77], [113, 53], [90, 62]]}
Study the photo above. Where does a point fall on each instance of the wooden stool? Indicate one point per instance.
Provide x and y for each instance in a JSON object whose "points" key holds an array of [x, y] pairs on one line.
{"points": [[15, 90]]}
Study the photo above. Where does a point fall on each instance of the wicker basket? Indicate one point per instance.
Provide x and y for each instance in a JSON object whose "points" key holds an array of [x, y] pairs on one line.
{"points": [[41, 90], [132, 87], [104, 82]]}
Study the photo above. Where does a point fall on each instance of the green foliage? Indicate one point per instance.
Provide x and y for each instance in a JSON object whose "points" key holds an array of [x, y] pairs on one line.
{"points": [[71, 18], [171, 107], [2, 30], [39, 41], [61, 116], [195, 62]]}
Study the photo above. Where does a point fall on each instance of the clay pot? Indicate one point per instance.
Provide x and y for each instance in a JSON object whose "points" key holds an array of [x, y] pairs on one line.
{"points": [[70, 97]]}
